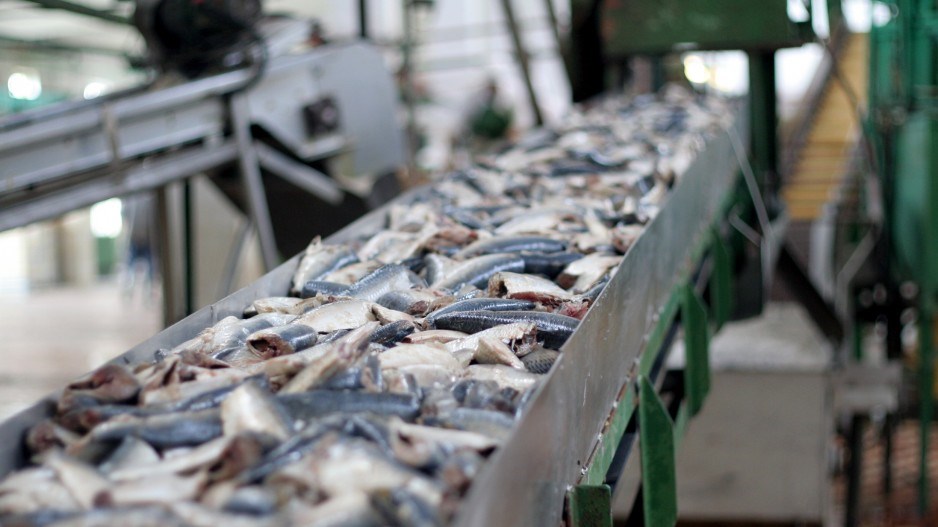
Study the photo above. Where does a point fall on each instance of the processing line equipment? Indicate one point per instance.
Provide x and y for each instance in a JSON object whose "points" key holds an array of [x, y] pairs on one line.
{"points": [[579, 430], [608, 406], [277, 130]]}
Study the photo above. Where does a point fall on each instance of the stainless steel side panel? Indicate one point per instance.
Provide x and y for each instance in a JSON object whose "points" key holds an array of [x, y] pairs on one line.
{"points": [[525, 481]]}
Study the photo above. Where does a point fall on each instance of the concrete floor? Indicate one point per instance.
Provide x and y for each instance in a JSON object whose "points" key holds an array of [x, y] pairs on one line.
{"points": [[52, 336]]}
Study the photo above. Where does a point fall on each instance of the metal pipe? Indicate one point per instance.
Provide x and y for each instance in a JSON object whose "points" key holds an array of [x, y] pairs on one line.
{"points": [[523, 61], [188, 252], [80, 9], [406, 82], [926, 411], [251, 176], [363, 18], [234, 257]]}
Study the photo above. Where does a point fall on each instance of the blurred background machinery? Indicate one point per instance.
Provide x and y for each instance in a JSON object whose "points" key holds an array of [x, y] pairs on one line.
{"points": [[234, 132]]}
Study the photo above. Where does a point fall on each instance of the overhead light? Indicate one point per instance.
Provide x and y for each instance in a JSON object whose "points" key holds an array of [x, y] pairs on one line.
{"points": [[695, 69], [24, 85], [106, 220], [94, 89]]}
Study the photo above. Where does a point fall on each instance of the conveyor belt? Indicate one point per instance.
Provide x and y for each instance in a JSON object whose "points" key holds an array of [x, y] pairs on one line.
{"points": [[564, 426], [824, 157]]}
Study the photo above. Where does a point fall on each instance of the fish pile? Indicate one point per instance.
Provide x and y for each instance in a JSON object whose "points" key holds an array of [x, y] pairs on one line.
{"points": [[373, 392]]}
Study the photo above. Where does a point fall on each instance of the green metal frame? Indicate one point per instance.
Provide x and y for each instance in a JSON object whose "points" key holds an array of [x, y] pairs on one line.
{"points": [[589, 502], [902, 129]]}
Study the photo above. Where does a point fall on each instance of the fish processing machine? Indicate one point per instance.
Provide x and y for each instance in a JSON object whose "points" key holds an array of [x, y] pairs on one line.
{"points": [[609, 404], [291, 132]]}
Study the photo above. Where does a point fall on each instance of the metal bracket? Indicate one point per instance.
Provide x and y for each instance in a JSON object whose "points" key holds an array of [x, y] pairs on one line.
{"points": [[696, 350], [659, 482], [589, 506]]}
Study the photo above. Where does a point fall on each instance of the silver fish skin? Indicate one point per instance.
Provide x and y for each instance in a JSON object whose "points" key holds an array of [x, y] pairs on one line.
{"points": [[281, 340], [552, 329], [511, 244], [392, 277], [319, 260], [339, 356], [540, 360], [164, 431], [483, 304], [315, 404], [477, 271]]}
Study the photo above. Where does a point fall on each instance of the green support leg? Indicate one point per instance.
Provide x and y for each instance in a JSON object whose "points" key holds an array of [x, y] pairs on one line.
{"points": [[763, 120], [696, 350], [589, 506], [659, 482], [926, 369], [721, 280]]}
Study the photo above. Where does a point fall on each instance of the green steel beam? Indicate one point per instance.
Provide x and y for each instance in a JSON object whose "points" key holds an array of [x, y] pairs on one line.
{"points": [[721, 282], [659, 480], [763, 120], [589, 506], [696, 352]]}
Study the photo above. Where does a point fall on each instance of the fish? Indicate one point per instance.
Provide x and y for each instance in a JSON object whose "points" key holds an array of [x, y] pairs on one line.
{"points": [[164, 488], [548, 264], [319, 260], [580, 275], [441, 336], [511, 244], [352, 273], [35, 495], [490, 423], [418, 354], [399, 507], [314, 403], [250, 409], [312, 288], [477, 271], [552, 329], [393, 333], [281, 340], [505, 376], [164, 430], [275, 304], [112, 383], [338, 356], [349, 314], [131, 452], [48, 434], [483, 304], [435, 267], [350, 509], [540, 360], [83, 481], [527, 287], [138, 516], [392, 277], [410, 301], [493, 351]]}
